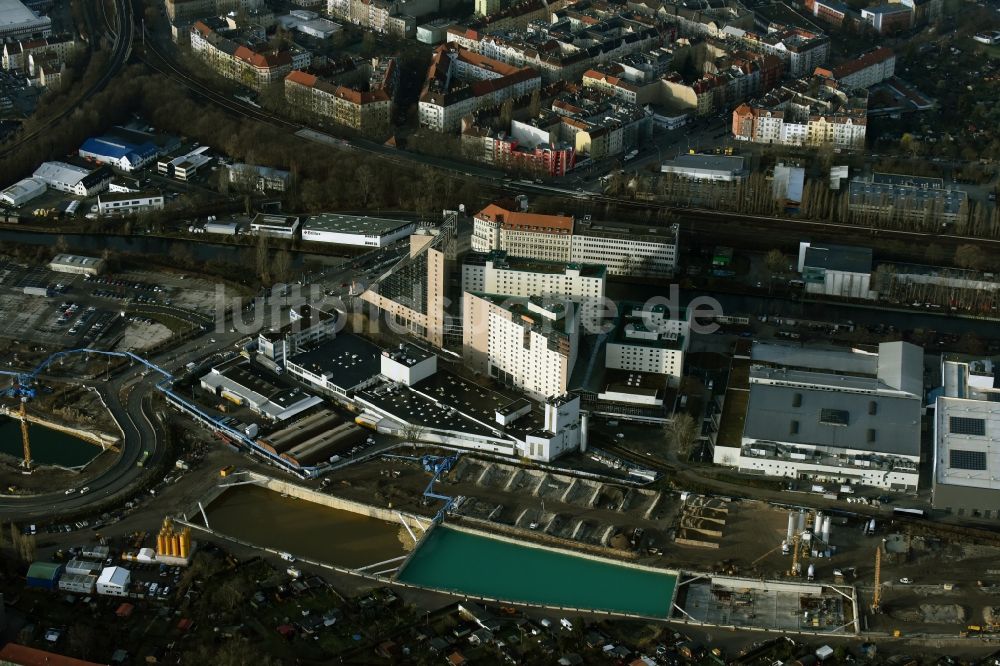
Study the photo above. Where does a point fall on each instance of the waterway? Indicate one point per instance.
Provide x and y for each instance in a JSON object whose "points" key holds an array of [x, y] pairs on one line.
{"points": [[48, 447], [312, 531], [466, 563]]}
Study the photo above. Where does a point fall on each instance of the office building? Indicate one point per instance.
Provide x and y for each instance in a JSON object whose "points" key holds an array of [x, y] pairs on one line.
{"points": [[128, 203], [830, 415], [649, 341], [114, 581], [277, 226], [308, 326]]}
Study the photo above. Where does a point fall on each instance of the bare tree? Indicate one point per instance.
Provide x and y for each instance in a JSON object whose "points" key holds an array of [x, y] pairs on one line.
{"points": [[263, 258], [281, 267], [682, 431], [412, 432]]}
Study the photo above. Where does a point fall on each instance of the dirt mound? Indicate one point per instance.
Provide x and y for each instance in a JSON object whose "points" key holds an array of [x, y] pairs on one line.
{"points": [[932, 614]]}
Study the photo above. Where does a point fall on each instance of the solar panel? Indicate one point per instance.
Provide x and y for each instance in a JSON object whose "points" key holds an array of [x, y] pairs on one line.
{"points": [[972, 460], [964, 425]]}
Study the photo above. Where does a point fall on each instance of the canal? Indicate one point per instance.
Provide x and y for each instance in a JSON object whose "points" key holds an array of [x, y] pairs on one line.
{"points": [[312, 531], [465, 563], [48, 447]]}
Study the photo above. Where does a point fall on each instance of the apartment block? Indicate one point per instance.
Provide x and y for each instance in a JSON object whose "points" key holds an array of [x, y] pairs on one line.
{"points": [[864, 71], [369, 112], [15, 53], [526, 343], [181, 11], [460, 82], [649, 341], [243, 55]]}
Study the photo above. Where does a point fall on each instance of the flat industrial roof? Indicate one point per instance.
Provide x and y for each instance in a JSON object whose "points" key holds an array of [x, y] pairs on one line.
{"points": [[347, 360], [502, 261], [14, 12], [967, 450], [846, 258], [725, 163], [353, 224], [75, 260], [835, 419]]}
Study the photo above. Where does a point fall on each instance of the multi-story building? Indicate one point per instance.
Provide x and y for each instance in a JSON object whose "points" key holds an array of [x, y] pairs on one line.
{"points": [[966, 473], [393, 17], [258, 178], [522, 234], [801, 50], [524, 153], [649, 341], [831, 11], [15, 53], [123, 155], [903, 197], [307, 327], [460, 82], [411, 294], [498, 273], [807, 112], [527, 343], [258, 69], [369, 112], [864, 71], [623, 249], [560, 48], [830, 415], [888, 18], [182, 11], [275, 225], [600, 126]]}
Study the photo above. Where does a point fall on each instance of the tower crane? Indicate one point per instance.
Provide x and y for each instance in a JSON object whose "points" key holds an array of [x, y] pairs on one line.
{"points": [[877, 596], [22, 389]]}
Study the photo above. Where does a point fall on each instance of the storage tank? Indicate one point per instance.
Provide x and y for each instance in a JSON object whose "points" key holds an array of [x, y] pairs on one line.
{"points": [[160, 544], [811, 573], [826, 530], [818, 522], [791, 526], [584, 422], [802, 521]]}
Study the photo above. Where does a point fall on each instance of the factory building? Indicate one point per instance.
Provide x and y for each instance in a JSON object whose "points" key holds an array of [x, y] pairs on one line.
{"points": [[720, 168], [836, 270], [245, 388], [407, 364], [337, 367], [79, 583], [44, 575], [277, 226], [850, 417], [308, 327], [17, 21]]}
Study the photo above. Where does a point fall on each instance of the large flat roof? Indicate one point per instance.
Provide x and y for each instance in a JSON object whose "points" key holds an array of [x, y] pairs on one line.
{"points": [[846, 258], [834, 419], [14, 13], [724, 163], [967, 450], [353, 224], [347, 360]]}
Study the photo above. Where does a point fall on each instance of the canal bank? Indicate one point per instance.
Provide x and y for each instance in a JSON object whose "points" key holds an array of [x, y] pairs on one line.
{"points": [[52, 445]]}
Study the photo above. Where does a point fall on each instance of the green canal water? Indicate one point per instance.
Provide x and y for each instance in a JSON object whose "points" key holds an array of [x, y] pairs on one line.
{"points": [[48, 447], [481, 566]]}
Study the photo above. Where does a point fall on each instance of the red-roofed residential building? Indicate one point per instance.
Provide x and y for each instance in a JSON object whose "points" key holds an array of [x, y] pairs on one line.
{"points": [[460, 82], [369, 112], [239, 62], [15, 54], [864, 71]]}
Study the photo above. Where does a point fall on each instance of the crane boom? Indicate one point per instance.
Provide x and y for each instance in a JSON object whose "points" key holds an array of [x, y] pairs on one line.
{"points": [[877, 596], [25, 440]]}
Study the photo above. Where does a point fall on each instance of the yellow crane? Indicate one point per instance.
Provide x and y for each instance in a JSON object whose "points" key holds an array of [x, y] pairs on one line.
{"points": [[877, 596], [795, 556]]}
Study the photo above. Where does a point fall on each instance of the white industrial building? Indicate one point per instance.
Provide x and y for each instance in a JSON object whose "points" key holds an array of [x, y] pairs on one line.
{"points": [[126, 203], [22, 192], [74, 179], [278, 226], [74, 263], [836, 270], [849, 417], [355, 230], [966, 476], [407, 364], [498, 273], [526, 343], [114, 581], [17, 21], [623, 249], [308, 327], [722, 168]]}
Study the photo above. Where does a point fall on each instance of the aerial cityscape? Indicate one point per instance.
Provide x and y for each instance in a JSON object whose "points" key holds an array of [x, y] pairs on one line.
{"points": [[634, 332]]}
